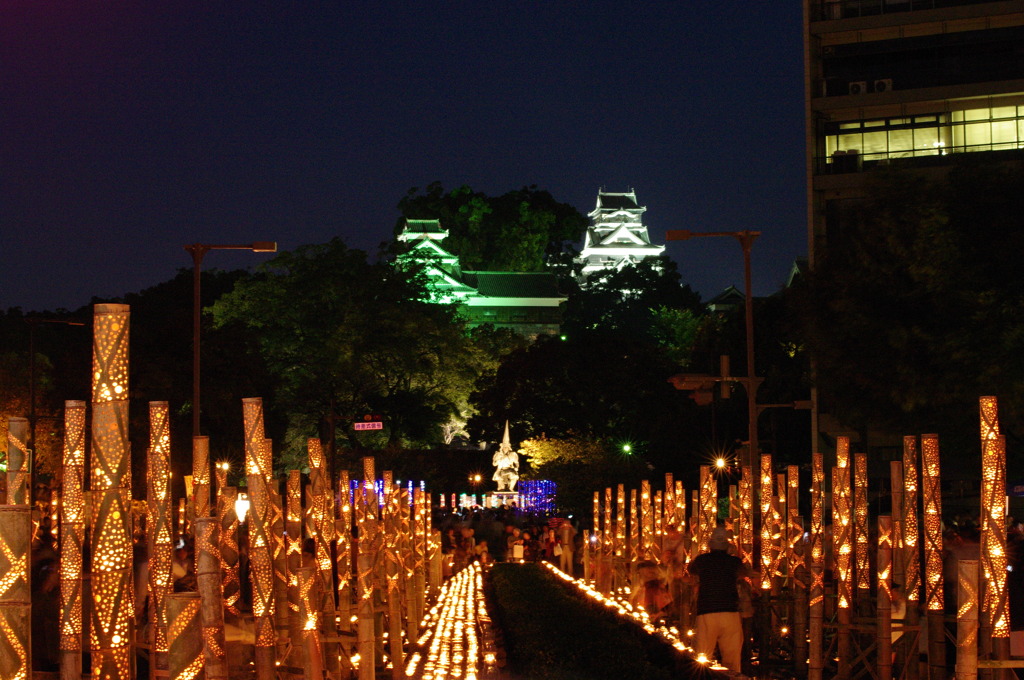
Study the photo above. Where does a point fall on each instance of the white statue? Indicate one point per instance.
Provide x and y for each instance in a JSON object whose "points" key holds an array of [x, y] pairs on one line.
{"points": [[506, 462]]}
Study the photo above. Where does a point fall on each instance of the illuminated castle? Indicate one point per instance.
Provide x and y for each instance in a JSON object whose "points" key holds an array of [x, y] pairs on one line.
{"points": [[617, 236]]}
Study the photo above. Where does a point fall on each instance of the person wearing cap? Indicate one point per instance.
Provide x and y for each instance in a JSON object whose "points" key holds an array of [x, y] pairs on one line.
{"points": [[718, 602]]}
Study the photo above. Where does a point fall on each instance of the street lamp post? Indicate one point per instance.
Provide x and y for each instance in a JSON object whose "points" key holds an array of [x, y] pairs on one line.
{"points": [[751, 382], [198, 250]]}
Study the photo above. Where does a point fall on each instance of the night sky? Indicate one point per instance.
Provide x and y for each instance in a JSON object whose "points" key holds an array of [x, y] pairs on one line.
{"points": [[128, 130]]}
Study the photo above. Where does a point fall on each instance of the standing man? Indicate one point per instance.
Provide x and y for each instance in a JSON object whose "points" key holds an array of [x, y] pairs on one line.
{"points": [[567, 539], [718, 601]]}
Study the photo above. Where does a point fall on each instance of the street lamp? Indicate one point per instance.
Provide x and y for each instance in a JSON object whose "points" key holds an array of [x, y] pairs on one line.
{"points": [[33, 322], [751, 382], [198, 250]]}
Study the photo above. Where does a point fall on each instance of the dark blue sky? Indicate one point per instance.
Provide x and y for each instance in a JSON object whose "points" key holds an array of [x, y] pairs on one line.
{"points": [[130, 129]]}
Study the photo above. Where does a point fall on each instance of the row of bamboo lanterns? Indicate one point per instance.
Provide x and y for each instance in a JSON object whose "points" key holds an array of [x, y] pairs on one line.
{"points": [[793, 560], [313, 618]]}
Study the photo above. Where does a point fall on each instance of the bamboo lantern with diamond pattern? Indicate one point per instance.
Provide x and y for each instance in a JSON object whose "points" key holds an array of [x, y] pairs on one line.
{"points": [[620, 522], [910, 530], [993, 548], [184, 636], [932, 519], [18, 462], [766, 521], [159, 536], [646, 520], [860, 527], [231, 581], [15, 592], [817, 598], [708, 505], [261, 542], [344, 551], [842, 511], [111, 493], [746, 518], [207, 530], [201, 475], [72, 521], [884, 598]]}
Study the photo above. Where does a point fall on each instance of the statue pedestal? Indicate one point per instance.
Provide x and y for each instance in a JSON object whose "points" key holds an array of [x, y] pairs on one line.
{"points": [[498, 498]]}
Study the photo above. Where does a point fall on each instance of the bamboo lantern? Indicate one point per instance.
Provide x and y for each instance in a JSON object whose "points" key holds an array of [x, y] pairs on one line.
{"points": [[634, 529], [183, 527], [884, 598], [261, 564], [910, 529], [201, 475], [967, 620], [369, 549], [766, 521], [309, 613], [344, 559], [279, 559], [620, 522], [72, 523], [15, 593], [597, 513], [708, 505], [323, 534], [409, 532], [111, 580], [680, 509], [860, 527], [993, 548], [817, 598], [896, 491], [220, 476], [609, 531], [185, 659], [18, 462], [211, 597], [780, 528], [659, 522], [646, 520], [670, 500], [793, 521], [842, 516], [931, 490], [293, 553], [55, 518], [746, 517], [229, 549], [393, 568], [160, 540]]}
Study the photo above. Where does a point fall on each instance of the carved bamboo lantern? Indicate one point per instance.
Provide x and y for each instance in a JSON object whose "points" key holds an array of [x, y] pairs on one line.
{"points": [[184, 635], [72, 522], [995, 609], [968, 601], [860, 527], [159, 535], [646, 520], [111, 493], [932, 520], [18, 462], [344, 558], [261, 541], [634, 529], [620, 522], [393, 568], [680, 509], [884, 598], [211, 597], [708, 505], [817, 597], [745, 535], [369, 549], [766, 487], [229, 549], [15, 592], [293, 550], [842, 521], [312, 654]]}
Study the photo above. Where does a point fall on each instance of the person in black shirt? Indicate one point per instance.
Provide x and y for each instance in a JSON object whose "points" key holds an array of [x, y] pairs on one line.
{"points": [[718, 600]]}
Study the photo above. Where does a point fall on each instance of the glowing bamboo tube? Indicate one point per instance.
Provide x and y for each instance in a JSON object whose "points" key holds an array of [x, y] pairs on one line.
{"points": [[369, 548], [597, 515], [279, 558], [896, 491], [312, 652], [229, 549], [15, 592], [220, 477], [72, 522], [111, 496], [745, 534], [646, 520], [344, 555], [817, 598], [842, 522], [634, 528], [779, 529], [620, 523], [910, 529], [393, 568], [680, 509], [883, 658], [18, 462], [670, 500], [931, 489], [261, 542], [708, 505], [184, 636], [293, 553], [609, 530], [323, 526], [967, 620], [183, 528], [659, 522], [212, 597], [766, 521], [159, 534], [201, 475], [993, 548], [793, 521], [860, 512], [410, 556]]}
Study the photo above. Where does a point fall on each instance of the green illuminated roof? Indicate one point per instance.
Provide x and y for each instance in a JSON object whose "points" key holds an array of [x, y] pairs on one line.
{"points": [[513, 284]]}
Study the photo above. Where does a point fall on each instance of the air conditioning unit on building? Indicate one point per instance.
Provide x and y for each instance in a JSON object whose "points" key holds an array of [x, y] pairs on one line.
{"points": [[883, 85], [858, 87]]}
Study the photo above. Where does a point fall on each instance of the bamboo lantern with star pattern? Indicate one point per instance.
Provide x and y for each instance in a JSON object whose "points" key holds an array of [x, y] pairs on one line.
{"points": [[670, 500], [309, 613], [842, 527], [72, 522], [184, 636], [409, 550], [910, 530], [896, 491], [993, 521], [708, 505], [279, 559], [343, 563], [816, 603], [228, 517], [597, 516], [323, 533], [207, 530], [745, 530], [18, 463], [634, 531], [884, 598], [293, 551], [680, 507], [609, 529], [620, 522], [261, 543], [860, 525], [393, 567], [370, 546], [646, 521], [794, 523], [110, 483], [931, 490]]}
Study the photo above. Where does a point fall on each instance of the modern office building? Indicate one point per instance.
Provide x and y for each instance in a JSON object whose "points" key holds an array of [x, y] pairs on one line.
{"points": [[904, 82]]}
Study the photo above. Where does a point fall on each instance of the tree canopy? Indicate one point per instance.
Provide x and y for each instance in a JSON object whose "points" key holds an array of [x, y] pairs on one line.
{"points": [[915, 311], [516, 231]]}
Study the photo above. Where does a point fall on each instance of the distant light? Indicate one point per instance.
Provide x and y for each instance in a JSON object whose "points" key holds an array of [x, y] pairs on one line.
{"points": [[241, 507], [563, 338], [720, 463], [627, 448]]}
